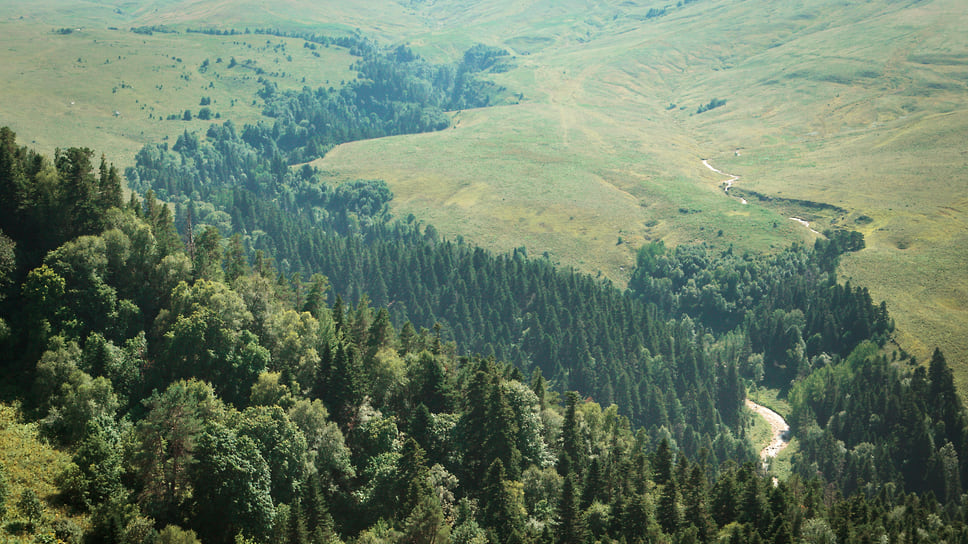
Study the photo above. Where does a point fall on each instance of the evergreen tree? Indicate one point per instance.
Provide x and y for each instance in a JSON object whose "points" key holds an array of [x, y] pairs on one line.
{"points": [[296, 532], [502, 510], [662, 463], [572, 457], [570, 528], [668, 508]]}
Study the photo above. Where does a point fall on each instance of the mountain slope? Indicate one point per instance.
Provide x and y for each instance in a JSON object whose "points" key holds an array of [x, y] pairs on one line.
{"points": [[844, 115]]}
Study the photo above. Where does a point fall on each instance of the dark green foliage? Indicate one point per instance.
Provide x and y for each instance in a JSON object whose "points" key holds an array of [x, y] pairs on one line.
{"points": [[580, 333], [439, 445], [231, 488], [570, 527], [668, 509], [865, 420], [714, 103], [44, 203], [789, 306], [502, 510], [572, 457]]}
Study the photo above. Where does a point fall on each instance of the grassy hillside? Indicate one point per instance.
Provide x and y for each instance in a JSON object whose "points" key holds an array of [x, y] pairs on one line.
{"points": [[116, 89], [31, 464], [840, 114], [860, 107]]}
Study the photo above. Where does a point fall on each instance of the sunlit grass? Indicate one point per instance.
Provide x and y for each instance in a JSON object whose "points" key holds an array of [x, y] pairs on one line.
{"points": [[31, 464]]}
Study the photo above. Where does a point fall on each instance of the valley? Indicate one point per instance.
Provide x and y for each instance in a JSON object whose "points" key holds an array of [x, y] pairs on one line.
{"points": [[608, 109], [516, 272]]}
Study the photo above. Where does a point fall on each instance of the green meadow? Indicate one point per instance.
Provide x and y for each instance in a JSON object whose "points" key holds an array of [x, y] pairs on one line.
{"points": [[844, 115]]}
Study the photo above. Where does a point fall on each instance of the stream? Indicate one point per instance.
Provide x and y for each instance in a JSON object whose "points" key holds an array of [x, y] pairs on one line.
{"points": [[727, 183], [780, 435]]}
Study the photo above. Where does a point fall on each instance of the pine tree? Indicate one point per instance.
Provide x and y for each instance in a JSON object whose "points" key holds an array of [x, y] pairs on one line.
{"points": [[501, 432], [662, 463], [473, 425], [109, 187], [296, 532], [236, 264], [502, 511], [344, 386], [319, 522], [594, 485], [316, 297], [668, 509], [572, 457], [569, 527]]}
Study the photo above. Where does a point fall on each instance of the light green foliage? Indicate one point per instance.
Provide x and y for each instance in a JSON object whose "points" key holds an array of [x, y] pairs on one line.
{"points": [[91, 304], [8, 261], [72, 399], [281, 444], [524, 403], [380, 532], [91, 400], [597, 518], [267, 391], [542, 489], [466, 529], [818, 531], [292, 339], [209, 297], [380, 475], [43, 292], [387, 374], [58, 366], [4, 491], [204, 335], [327, 450], [100, 465], [376, 445], [262, 301], [30, 462], [30, 508], [173, 534]]}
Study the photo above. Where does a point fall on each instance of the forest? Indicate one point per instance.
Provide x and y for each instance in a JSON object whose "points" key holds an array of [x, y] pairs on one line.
{"points": [[245, 351]]}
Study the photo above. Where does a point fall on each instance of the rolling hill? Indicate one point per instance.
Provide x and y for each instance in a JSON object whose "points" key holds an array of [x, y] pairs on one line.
{"points": [[848, 115]]}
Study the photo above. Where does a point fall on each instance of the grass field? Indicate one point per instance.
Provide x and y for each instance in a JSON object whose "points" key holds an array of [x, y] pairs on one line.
{"points": [[861, 106], [114, 90]]}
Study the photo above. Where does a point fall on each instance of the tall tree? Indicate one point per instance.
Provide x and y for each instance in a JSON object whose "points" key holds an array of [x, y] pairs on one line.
{"points": [[569, 521], [231, 488]]}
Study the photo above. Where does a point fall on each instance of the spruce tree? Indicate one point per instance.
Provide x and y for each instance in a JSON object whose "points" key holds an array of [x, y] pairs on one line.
{"points": [[667, 511], [502, 511], [569, 528]]}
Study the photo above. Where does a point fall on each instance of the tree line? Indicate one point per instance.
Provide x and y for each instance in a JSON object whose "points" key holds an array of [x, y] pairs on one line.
{"points": [[204, 396]]}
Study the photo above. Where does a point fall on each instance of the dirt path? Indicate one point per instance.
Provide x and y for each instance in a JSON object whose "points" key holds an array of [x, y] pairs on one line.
{"points": [[779, 427]]}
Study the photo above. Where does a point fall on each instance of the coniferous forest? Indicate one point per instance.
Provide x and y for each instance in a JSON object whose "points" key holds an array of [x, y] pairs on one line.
{"points": [[245, 351]]}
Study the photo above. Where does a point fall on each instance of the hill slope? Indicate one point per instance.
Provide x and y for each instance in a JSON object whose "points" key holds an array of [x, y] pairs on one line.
{"points": [[859, 107]]}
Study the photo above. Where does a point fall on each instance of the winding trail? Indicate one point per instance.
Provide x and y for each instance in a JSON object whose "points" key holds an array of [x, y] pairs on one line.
{"points": [[778, 425]]}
